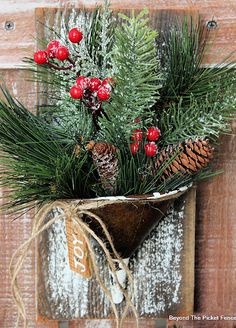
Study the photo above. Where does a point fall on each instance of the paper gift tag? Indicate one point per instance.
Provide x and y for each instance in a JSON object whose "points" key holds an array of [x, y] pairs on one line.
{"points": [[77, 250]]}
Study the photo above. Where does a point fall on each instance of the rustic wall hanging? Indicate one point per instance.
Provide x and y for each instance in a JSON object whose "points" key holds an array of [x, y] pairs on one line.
{"points": [[125, 124], [162, 268]]}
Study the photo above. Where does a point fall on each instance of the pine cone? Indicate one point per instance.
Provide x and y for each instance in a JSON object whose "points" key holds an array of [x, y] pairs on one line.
{"points": [[104, 157], [188, 157]]}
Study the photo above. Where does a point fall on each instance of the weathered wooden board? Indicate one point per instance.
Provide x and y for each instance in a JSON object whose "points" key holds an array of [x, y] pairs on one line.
{"points": [[216, 228], [163, 271], [222, 42], [154, 297], [20, 41], [14, 233]]}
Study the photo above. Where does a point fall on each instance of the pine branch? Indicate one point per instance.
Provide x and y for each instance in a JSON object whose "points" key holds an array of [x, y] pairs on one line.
{"points": [[38, 163], [199, 119], [136, 79], [98, 41], [138, 175], [94, 51], [181, 55], [92, 57]]}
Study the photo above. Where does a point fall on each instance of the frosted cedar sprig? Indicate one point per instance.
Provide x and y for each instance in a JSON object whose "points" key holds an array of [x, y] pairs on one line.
{"points": [[92, 91]]}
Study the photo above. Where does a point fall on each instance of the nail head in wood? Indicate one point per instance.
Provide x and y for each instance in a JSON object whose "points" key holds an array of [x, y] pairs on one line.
{"points": [[211, 25], [9, 25]]}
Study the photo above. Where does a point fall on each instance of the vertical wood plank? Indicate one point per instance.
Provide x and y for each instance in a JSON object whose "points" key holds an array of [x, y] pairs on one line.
{"points": [[215, 268], [225, 14], [14, 233], [189, 251], [162, 267], [216, 229]]}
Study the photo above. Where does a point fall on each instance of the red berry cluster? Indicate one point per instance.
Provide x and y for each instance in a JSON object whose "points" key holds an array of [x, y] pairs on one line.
{"points": [[152, 135], [92, 90], [56, 50]]}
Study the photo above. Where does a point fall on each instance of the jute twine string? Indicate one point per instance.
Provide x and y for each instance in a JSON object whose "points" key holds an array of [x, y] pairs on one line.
{"points": [[73, 212]]}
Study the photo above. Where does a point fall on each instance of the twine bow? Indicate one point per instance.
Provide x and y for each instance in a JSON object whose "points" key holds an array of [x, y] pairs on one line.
{"points": [[74, 213]]}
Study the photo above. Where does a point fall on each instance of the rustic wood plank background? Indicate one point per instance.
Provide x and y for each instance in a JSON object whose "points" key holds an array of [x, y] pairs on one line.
{"points": [[216, 226]]}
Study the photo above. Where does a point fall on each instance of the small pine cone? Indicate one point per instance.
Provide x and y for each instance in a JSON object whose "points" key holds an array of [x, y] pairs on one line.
{"points": [[188, 157], [77, 150], [104, 157]]}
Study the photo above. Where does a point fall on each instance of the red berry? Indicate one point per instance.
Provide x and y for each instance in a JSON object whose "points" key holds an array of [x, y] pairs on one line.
{"points": [[137, 135], [107, 83], [40, 57], [83, 82], [150, 149], [75, 35], [62, 53], [134, 148], [52, 48], [76, 92], [153, 134], [108, 80], [103, 93], [107, 86], [95, 83]]}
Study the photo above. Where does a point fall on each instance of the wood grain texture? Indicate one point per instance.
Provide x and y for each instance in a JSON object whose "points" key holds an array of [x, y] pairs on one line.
{"points": [[14, 233], [16, 44], [78, 252], [216, 252], [215, 260], [162, 268], [143, 323]]}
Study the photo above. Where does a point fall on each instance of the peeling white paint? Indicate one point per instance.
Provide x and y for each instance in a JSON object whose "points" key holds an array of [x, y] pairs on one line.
{"points": [[98, 324], [155, 266]]}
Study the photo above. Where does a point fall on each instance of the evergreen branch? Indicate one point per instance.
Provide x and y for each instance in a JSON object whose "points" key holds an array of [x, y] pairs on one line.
{"points": [[199, 119], [136, 79], [95, 48], [94, 60], [138, 176], [38, 163], [183, 49]]}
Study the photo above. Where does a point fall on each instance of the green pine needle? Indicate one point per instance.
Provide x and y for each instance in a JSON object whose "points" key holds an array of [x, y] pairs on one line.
{"points": [[38, 163], [184, 46], [172, 91], [137, 79]]}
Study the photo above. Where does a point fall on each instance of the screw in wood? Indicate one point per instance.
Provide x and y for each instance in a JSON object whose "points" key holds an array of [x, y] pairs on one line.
{"points": [[211, 25], [9, 25]]}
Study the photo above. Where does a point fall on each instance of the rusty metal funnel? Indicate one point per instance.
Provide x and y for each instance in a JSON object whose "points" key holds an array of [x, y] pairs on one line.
{"points": [[130, 220]]}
